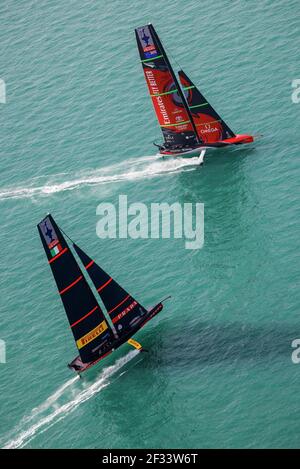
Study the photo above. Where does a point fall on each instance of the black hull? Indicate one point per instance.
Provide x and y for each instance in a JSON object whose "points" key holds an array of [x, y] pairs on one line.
{"points": [[77, 364]]}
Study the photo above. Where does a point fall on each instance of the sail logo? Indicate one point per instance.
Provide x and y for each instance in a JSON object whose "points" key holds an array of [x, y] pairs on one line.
{"points": [[124, 312], [157, 100], [208, 129], [147, 42], [2, 351], [296, 93], [49, 234], [156, 221], [163, 110], [150, 64], [92, 335], [2, 91]]}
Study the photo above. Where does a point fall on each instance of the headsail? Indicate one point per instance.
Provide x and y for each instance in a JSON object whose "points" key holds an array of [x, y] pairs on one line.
{"points": [[171, 109], [90, 329], [210, 126], [125, 312]]}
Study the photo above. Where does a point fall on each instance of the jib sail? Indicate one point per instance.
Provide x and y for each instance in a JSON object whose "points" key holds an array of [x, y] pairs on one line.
{"points": [[125, 312], [210, 126], [171, 109], [87, 322]]}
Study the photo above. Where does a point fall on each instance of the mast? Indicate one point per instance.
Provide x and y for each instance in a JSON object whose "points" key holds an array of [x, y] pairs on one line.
{"points": [[179, 90]]}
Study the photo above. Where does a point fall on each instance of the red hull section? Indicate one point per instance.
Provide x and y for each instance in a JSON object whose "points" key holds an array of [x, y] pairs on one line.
{"points": [[237, 140], [242, 138]]}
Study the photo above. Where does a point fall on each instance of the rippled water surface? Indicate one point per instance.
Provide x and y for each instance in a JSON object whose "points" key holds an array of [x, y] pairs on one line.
{"points": [[77, 130]]}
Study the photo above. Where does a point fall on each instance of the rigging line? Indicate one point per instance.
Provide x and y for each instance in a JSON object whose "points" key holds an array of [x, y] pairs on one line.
{"points": [[66, 235], [173, 57]]}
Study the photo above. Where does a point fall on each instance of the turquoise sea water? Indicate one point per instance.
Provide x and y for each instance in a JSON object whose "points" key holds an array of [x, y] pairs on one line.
{"points": [[76, 131]]}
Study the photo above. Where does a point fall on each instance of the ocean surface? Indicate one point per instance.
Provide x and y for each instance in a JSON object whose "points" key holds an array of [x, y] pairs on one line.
{"points": [[77, 130]]}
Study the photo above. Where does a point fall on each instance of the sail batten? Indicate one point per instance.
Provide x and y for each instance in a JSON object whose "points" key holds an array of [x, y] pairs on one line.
{"points": [[104, 285]]}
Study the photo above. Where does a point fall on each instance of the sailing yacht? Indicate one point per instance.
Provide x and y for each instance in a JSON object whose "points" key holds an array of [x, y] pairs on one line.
{"points": [[188, 122], [97, 333]]}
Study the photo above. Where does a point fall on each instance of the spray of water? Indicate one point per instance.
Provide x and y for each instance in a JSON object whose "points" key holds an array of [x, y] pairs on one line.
{"points": [[51, 411], [129, 170]]}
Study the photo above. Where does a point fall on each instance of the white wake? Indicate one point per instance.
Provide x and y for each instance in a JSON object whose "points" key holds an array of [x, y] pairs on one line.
{"points": [[41, 419], [128, 170]]}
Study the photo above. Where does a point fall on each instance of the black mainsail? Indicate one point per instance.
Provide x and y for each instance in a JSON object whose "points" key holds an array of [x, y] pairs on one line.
{"points": [[210, 126], [87, 322], [124, 311]]}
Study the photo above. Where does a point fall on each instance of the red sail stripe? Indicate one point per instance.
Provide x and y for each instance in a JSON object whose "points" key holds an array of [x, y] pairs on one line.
{"points": [[71, 285], [123, 301], [85, 316], [89, 264], [58, 255], [104, 285]]}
